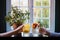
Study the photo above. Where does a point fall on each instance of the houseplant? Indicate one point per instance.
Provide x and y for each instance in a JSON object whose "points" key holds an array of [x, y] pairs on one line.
{"points": [[16, 17]]}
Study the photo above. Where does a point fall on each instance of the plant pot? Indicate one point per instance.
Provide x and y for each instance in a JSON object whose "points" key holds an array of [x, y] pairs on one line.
{"points": [[14, 26]]}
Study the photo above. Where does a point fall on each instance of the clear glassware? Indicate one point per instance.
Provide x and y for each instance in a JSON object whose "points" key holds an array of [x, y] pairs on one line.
{"points": [[36, 32], [26, 30]]}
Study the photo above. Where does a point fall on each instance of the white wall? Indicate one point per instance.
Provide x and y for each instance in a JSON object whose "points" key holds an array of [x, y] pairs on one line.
{"points": [[8, 7]]}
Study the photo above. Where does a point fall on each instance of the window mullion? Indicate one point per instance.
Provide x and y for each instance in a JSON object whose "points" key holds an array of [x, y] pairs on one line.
{"points": [[30, 6], [41, 10]]}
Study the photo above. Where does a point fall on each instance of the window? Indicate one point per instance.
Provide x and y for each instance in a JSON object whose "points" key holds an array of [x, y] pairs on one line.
{"points": [[44, 11], [21, 4], [40, 10]]}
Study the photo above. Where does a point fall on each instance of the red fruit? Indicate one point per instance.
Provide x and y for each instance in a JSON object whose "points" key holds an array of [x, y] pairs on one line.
{"points": [[34, 25]]}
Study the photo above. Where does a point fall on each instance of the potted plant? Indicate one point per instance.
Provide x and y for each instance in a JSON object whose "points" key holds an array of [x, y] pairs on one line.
{"points": [[16, 17]]}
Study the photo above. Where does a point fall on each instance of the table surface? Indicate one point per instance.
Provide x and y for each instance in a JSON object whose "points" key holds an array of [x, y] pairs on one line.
{"points": [[31, 35]]}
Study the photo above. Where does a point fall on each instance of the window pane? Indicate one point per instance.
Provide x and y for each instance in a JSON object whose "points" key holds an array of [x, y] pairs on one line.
{"points": [[15, 2], [37, 12], [46, 23], [23, 2], [45, 2], [36, 20], [45, 12], [37, 2]]}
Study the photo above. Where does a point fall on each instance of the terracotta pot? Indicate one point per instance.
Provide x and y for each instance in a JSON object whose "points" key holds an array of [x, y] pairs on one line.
{"points": [[15, 25]]}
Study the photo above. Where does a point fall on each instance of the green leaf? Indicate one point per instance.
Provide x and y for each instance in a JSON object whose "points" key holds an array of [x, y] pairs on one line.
{"points": [[18, 16]]}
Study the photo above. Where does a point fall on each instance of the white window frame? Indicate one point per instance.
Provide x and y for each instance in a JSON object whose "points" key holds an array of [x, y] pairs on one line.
{"points": [[52, 13], [52, 16]]}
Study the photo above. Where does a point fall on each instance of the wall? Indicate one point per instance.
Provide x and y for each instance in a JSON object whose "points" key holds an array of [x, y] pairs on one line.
{"points": [[8, 7]]}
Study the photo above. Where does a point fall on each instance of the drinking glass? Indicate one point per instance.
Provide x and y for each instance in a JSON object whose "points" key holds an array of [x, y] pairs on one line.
{"points": [[26, 30], [35, 30]]}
